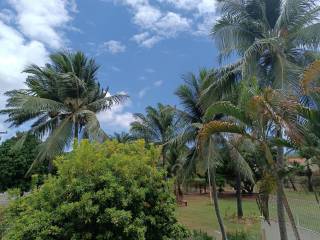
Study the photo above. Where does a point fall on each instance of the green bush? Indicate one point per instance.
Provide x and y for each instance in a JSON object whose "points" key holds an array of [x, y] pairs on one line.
{"points": [[101, 191], [14, 163]]}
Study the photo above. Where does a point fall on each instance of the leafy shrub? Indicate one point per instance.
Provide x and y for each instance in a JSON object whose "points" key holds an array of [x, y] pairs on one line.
{"points": [[199, 235], [240, 235], [101, 191], [14, 163]]}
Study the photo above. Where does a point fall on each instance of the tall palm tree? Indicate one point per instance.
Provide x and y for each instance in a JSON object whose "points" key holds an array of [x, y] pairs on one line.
{"points": [[61, 101], [256, 117], [275, 39], [157, 126], [310, 118], [176, 156], [194, 97]]}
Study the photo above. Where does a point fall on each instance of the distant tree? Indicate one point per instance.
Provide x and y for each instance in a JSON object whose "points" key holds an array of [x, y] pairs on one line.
{"points": [[157, 126], [123, 137], [14, 163]]}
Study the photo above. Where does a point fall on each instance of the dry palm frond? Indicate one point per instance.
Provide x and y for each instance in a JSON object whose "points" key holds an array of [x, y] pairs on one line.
{"points": [[310, 75]]}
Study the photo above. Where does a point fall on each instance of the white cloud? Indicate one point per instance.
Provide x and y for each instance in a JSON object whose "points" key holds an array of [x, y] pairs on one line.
{"points": [[115, 69], [141, 37], [146, 16], [38, 27], [150, 70], [113, 47], [204, 12], [27, 30], [15, 53], [163, 19], [171, 24], [145, 40], [155, 23], [143, 92], [44, 19], [117, 117], [201, 6], [6, 15], [158, 83]]}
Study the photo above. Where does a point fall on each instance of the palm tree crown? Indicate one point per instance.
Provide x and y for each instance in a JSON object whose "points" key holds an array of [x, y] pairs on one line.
{"points": [[275, 38]]}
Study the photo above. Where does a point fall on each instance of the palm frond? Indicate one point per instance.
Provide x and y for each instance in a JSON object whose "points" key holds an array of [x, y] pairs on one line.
{"points": [[310, 77], [308, 36], [239, 162], [92, 126], [228, 109], [107, 103], [55, 143], [219, 127]]}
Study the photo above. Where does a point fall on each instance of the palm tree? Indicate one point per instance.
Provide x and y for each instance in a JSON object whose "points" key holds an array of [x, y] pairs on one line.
{"points": [[256, 117], [157, 126], [192, 114], [275, 40], [176, 156], [62, 100], [194, 96], [310, 115], [123, 137]]}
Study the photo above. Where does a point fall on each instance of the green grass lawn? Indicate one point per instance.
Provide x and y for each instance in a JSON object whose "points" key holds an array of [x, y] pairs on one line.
{"points": [[304, 207], [199, 215], [304, 195]]}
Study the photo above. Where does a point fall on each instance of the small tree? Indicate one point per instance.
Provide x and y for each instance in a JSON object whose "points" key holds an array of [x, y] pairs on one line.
{"points": [[14, 163], [101, 191]]}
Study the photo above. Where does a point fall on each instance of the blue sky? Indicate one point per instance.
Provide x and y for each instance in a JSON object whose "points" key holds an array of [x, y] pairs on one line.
{"points": [[143, 46]]}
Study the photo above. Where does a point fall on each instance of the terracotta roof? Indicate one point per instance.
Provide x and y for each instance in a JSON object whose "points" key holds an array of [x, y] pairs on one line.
{"points": [[296, 159]]}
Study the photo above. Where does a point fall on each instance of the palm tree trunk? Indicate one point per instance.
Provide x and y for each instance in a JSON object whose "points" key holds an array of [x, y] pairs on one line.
{"points": [[292, 184], [280, 206], [281, 213], [309, 176], [209, 181], [290, 216], [216, 206], [239, 197], [180, 192], [282, 201], [76, 131], [50, 166]]}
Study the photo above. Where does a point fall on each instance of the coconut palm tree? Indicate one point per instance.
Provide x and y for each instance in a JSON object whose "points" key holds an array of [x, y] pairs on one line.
{"points": [[259, 114], [192, 115], [310, 118], [157, 126], [123, 137], [194, 96], [275, 39], [61, 101], [176, 156]]}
